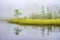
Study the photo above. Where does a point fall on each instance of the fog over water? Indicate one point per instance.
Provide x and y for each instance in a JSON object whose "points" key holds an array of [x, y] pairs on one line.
{"points": [[7, 7]]}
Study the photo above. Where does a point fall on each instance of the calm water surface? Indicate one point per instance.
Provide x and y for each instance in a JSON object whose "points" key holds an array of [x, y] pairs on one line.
{"points": [[16, 32]]}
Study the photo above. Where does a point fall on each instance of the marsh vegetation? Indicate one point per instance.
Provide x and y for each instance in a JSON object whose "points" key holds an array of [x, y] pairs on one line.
{"points": [[48, 16]]}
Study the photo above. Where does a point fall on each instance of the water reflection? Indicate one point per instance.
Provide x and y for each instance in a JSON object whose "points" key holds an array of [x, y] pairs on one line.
{"points": [[45, 29], [50, 29], [25, 32], [17, 30]]}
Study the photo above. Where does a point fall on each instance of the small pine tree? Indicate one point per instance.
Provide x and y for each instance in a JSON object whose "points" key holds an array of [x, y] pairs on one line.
{"points": [[17, 13]]}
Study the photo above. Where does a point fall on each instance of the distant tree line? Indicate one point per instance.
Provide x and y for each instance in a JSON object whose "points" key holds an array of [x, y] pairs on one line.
{"points": [[48, 13]]}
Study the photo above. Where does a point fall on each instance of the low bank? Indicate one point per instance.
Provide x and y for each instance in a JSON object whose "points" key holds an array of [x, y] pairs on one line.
{"points": [[35, 21]]}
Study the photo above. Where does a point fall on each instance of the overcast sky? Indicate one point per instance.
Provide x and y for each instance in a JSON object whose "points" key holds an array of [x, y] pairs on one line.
{"points": [[7, 7]]}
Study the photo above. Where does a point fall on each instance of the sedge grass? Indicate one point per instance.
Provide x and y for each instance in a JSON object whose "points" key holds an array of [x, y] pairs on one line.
{"points": [[36, 21]]}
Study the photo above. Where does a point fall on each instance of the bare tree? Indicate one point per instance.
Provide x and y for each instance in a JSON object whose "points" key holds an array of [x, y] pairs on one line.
{"points": [[49, 15], [43, 12]]}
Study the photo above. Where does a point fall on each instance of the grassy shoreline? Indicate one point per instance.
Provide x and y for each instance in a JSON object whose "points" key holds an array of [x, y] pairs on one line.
{"points": [[35, 21]]}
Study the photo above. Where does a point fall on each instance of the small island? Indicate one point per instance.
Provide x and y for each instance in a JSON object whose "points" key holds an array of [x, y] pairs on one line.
{"points": [[43, 18]]}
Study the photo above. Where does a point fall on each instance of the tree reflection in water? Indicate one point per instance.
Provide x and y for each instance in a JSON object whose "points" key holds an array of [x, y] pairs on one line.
{"points": [[47, 29], [50, 29], [17, 30], [44, 29]]}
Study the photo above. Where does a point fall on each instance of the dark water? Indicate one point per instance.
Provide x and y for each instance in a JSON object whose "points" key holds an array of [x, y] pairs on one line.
{"points": [[16, 32]]}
